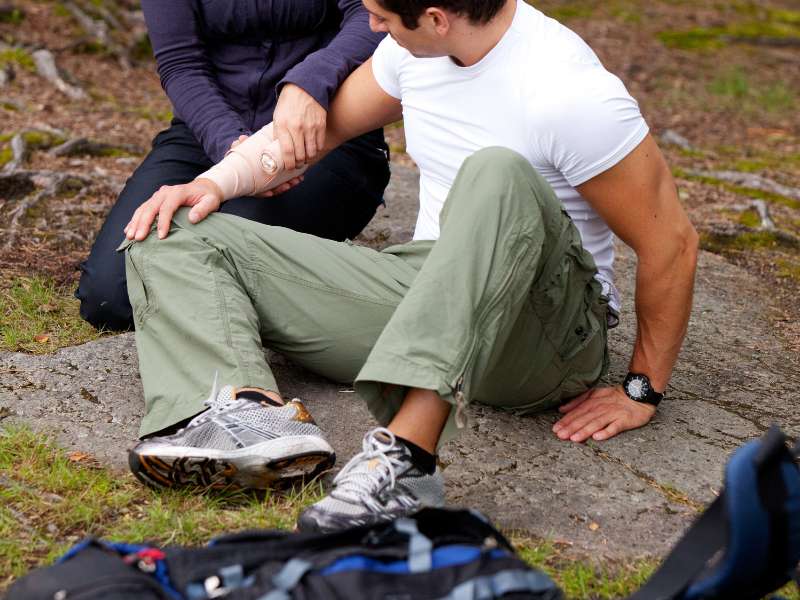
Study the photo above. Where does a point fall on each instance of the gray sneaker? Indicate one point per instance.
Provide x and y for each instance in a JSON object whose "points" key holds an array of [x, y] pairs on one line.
{"points": [[236, 443], [380, 483]]}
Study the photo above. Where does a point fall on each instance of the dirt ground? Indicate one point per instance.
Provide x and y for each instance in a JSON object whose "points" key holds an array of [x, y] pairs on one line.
{"points": [[724, 75]]}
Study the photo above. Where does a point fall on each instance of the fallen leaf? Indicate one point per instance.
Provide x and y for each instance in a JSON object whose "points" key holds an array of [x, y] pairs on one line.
{"points": [[41, 338], [83, 458], [87, 395], [594, 526]]}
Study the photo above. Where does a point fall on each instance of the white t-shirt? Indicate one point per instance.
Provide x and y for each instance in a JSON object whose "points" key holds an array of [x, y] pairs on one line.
{"points": [[542, 92]]}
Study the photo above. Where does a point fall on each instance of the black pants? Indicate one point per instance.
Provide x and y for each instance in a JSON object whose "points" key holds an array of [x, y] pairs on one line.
{"points": [[336, 200]]}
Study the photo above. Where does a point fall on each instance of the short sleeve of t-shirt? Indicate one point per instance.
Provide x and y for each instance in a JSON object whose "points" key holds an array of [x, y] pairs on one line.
{"points": [[591, 126], [386, 66]]}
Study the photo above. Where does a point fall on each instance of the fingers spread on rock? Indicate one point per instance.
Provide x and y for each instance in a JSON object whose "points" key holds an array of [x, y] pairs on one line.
{"points": [[586, 431]]}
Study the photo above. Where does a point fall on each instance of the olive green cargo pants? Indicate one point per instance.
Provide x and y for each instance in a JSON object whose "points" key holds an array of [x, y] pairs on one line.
{"points": [[501, 309]]}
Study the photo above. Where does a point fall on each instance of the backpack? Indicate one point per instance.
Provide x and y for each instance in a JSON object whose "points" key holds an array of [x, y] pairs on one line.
{"points": [[745, 545], [747, 542], [436, 554]]}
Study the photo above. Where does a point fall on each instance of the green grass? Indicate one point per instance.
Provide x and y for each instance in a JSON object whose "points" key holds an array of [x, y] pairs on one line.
{"points": [[157, 116], [788, 269], [42, 140], [571, 11], [50, 499], [733, 83], [580, 579], [38, 316], [734, 86], [60, 10], [761, 163], [750, 218], [739, 189], [14, 16], [142, 48], [752, 240], [18, 57], [758, 23], [6, 155]]}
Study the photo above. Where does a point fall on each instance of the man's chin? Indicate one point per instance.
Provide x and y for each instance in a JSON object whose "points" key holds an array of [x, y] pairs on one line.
{"points": [[413, 52], [421, 54]]}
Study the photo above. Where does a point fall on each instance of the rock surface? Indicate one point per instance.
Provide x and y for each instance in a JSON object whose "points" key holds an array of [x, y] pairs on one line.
{"points": [[628, 497]]}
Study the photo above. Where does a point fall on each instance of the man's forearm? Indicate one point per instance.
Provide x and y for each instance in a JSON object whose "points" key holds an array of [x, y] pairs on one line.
{"points": [[359, 106], [664, 289], [256, 165]]}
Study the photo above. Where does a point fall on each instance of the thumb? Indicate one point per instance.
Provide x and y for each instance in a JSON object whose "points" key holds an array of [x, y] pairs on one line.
{"points": [[204, 207]]}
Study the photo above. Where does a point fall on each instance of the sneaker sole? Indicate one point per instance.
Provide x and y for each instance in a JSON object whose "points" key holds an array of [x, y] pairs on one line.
{"points": [[259, 467]]}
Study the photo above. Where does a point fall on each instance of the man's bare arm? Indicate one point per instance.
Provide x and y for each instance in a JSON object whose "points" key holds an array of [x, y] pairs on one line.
{"points": [[638, 200], [359, 106]]}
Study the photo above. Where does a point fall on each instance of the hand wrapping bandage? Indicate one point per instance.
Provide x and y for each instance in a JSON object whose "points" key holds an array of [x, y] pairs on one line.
{"points": [[256, 165]]}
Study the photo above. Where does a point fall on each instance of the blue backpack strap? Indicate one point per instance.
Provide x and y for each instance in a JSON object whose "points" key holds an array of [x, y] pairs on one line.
{"points": [[420, 548], [287, 578], [517, 582], [706, 537]]}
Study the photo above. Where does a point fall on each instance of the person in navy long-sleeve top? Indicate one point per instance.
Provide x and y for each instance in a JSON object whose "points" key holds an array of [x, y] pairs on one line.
{"points": [[229, 67]]}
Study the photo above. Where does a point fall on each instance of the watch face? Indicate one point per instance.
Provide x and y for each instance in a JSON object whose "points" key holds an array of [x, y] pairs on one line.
{"points": [[637, 387]]}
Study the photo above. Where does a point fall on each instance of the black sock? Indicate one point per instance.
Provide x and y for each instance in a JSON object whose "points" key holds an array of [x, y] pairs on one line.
{"points": [[422, 459], [257, 395], [168, 430]]}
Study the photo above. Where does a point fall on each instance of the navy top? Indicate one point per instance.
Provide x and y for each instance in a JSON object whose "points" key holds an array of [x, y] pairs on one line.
{"points": [[222, 62]]}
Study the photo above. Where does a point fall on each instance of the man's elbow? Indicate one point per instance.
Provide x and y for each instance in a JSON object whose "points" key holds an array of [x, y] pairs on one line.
{"points": [[673, 251], [689, 244]]}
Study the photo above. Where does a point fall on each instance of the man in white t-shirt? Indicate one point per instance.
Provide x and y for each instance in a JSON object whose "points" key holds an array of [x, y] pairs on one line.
{"points": [[530, 154]]}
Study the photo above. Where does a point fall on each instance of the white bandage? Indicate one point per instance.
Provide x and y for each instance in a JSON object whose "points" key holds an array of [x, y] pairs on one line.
{"points": [[256, 165]]}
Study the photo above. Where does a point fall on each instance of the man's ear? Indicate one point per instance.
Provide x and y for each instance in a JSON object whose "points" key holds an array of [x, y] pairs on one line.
{"points": [[438, 19]]}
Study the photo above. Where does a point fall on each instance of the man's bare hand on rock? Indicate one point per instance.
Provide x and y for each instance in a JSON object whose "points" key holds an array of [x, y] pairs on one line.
{"points": [[201, 194], [600, 414]]}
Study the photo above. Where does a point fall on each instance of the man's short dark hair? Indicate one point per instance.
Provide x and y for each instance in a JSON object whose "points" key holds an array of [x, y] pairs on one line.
{"points": [[477, 11]]}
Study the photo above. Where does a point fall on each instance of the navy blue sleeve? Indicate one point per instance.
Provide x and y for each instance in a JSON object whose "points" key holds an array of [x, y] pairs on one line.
{"points": [[187, 75], [322, 72]]}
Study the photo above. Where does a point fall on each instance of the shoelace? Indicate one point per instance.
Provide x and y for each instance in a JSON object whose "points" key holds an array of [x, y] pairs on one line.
{"points": [[215, 407], [360, 483]]}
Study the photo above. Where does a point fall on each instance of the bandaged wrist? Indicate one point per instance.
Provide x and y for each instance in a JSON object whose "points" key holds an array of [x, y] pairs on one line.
{"points": [[256, 165]]}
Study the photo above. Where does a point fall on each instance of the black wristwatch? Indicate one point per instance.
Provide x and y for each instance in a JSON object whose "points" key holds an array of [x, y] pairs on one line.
{"points": [[637, 387]]}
